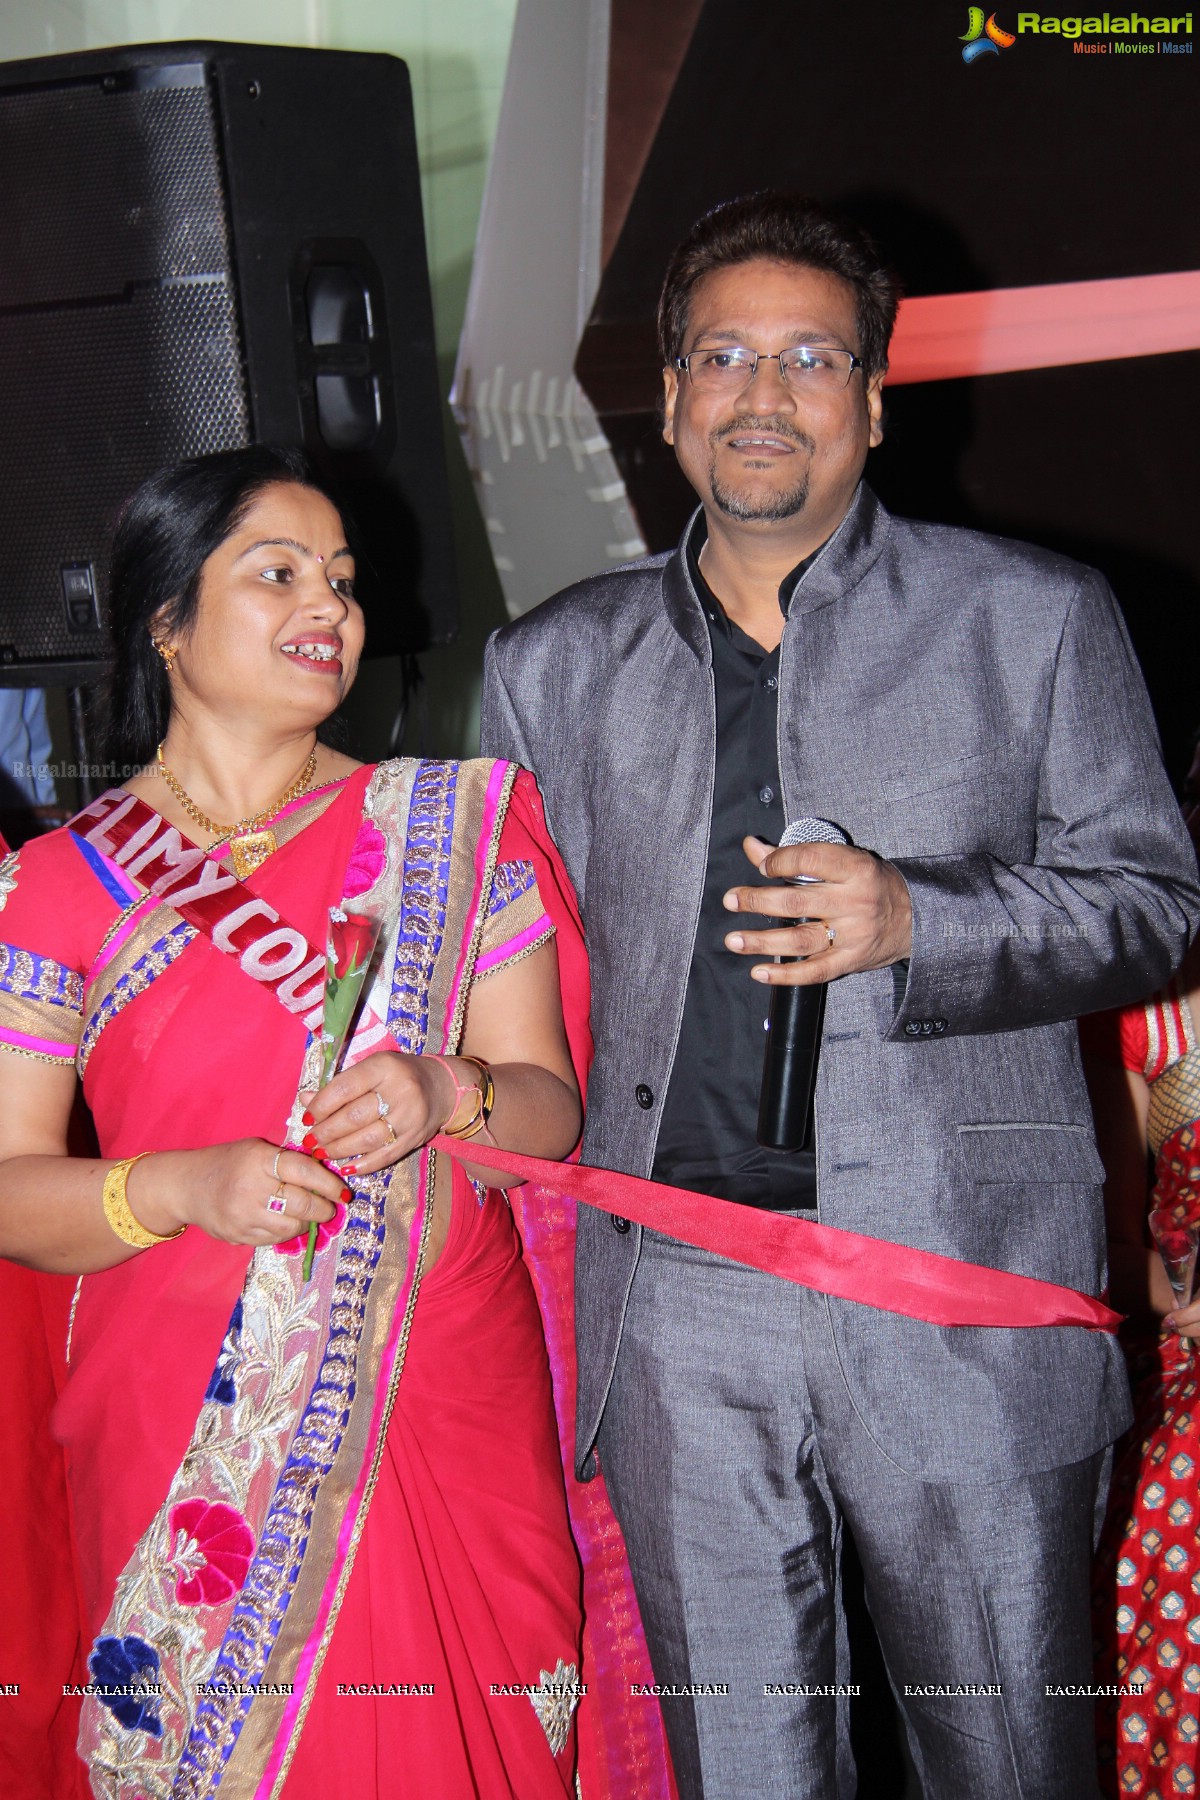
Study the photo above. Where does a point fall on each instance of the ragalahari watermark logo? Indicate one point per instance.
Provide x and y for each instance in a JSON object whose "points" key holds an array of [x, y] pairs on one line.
{"points": [[983, 37]]}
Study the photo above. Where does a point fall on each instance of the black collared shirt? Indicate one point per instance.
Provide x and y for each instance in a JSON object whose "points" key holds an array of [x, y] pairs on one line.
{"points": [[706, 1139]]}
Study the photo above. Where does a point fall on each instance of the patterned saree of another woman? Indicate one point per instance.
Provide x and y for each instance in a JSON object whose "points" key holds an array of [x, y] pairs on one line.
{"points": [[1143, 1067]]}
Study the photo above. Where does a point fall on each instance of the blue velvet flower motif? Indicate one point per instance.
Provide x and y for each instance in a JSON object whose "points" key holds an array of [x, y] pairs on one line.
{"points": [[121, 1663], [220, 1383]]}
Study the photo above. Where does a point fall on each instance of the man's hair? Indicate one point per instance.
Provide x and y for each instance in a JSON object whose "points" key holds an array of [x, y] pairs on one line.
{"points": [[788, 228]]}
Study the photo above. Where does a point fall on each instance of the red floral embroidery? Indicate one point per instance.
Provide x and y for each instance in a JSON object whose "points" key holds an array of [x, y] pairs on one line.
{"points": [[368, 859], [214, 1545]]}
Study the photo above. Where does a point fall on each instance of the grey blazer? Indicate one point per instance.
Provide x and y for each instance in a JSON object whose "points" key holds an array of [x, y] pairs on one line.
{"points": [[970, 708]]}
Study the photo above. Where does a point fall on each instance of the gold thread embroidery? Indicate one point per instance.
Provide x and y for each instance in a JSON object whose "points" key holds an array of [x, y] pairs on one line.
{"points": [[452, 1038], [10, 868], [555, 1703], [369, 1485]]}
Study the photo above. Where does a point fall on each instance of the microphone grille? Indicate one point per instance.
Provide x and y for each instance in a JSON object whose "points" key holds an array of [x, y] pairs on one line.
{"points": [[813, 831]]}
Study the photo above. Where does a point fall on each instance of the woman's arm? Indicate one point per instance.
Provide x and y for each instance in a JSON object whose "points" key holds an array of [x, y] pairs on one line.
{"points": [[514, 1022], [52, 1206]]}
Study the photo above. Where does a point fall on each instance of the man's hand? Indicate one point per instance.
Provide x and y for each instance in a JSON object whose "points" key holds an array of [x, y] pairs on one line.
{"points": [[859, 912]]}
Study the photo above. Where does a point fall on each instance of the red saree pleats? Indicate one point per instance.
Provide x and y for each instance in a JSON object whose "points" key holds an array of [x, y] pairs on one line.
{"points": [[464, 1578], [41, 1644]]}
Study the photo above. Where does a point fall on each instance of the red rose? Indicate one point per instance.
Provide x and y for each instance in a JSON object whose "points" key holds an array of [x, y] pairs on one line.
{"points": [[353, 942]]}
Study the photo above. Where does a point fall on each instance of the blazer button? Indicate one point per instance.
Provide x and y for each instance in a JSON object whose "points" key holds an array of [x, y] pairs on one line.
{"points": [[621, 1225], [939, 1024], [912, 1029], [644, 1097]]}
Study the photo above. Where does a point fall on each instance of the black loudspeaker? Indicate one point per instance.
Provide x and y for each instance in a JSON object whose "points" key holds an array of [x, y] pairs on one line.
{"points": [[203, 245]]}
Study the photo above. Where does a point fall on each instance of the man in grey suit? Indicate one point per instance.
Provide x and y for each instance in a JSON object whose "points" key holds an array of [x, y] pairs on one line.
{"points": [[969, 712]]}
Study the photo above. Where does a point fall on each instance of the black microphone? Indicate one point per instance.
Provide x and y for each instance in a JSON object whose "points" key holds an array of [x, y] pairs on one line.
{"points": [[793, 1044]]}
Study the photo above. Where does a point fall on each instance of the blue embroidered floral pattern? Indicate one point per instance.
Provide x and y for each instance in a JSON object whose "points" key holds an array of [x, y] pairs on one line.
{"points": [[118, 1664], [220, 1383]]}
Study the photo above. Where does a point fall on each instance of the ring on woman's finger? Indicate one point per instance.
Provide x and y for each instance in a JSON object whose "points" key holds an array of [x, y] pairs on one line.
{"points": [[381, 1103], [830, 933], [275, 1163], [278, 1202], [390, 1132]]}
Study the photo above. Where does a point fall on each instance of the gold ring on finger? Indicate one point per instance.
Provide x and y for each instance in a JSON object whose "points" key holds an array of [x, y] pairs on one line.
{"points": [[390, 1132], [278, 1201], [830, 933], [275, 1164]]}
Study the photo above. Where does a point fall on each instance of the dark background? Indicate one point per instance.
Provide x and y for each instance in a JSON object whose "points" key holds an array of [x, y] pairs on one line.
{"points": [[1039, 164]]}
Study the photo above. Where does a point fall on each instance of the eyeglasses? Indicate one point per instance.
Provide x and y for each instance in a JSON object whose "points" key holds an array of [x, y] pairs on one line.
{"points": [[804, 367]]}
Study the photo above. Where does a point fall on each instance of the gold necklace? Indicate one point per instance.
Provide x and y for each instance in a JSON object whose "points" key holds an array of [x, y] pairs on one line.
{"points": [[250, 843]]}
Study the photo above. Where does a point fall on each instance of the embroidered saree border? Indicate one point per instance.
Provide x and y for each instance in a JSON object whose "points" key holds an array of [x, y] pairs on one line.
{"points": [[511, 880], [41, 1002], [144, 952], [419, 936], [517, 921], [452, 806]]}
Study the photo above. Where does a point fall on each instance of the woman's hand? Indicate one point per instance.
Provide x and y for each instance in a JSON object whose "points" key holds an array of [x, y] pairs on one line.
{"points": [[250, 1192], [1185, 1320], [380, 1110], [386, 1106]]}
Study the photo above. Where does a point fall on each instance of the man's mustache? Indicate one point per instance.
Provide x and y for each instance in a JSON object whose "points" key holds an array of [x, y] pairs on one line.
{"points": [[758, 427]]}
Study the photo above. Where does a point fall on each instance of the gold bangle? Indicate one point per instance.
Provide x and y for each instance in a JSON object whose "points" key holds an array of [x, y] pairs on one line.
{"points": [[486, 1091], [119, 1214]]}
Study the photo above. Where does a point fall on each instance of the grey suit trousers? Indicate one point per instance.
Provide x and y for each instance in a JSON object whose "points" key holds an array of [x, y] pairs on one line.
{"points": [[733, 1452]]}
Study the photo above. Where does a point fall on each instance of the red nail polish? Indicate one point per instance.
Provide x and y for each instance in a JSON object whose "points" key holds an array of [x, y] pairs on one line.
{"points": [[350, 1168], [309, 1139], [320, 1153], [346, 1194], [306, 1118]]}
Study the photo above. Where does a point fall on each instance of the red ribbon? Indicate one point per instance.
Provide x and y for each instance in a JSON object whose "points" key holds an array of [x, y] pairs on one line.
{"points": [[918, 1284]]}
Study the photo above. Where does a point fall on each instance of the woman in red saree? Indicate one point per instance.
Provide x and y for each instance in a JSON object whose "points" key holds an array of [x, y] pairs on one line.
{"points": [[320, 1524], [1143, 1068]]}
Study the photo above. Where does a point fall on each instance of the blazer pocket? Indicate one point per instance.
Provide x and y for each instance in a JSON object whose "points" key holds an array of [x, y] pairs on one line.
{"points": [[1022, 1154], [932, 778]]}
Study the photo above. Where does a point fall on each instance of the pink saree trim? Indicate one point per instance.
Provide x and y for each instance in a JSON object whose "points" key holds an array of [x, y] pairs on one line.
{"points": [[492, 959], [20, 1040]]}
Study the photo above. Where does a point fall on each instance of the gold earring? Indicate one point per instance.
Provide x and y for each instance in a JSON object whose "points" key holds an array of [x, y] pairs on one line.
{"points": [[166, 651]]}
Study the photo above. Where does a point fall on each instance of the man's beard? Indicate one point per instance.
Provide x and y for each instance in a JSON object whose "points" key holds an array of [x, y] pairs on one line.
{"points": [[772, 506], [768, 507]]}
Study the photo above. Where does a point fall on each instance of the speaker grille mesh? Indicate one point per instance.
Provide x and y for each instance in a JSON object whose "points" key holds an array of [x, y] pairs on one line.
{"points": [[101, 190], [170, 357], [119, 339]]}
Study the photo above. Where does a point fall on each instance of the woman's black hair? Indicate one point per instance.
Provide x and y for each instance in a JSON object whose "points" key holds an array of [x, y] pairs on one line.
{"points": [[168, 529]]}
